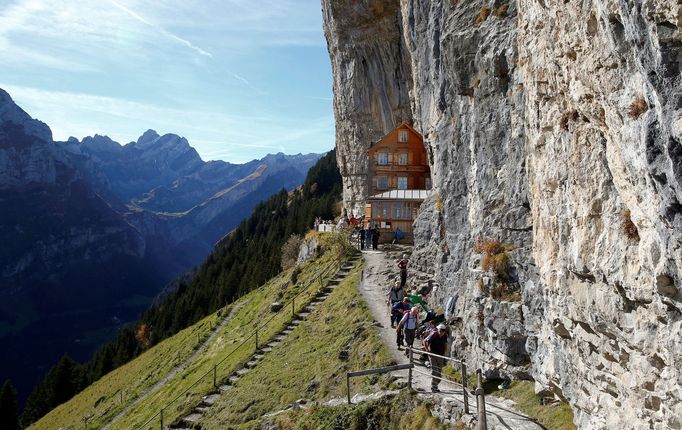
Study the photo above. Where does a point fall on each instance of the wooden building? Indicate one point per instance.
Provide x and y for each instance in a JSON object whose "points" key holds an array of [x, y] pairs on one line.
{"points": [[399, 180]]}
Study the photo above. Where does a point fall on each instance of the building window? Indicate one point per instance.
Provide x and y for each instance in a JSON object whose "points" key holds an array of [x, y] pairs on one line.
{"points": [[382, 158], [382, 182], [402, 159], [427, 183], [402, 182], [397, 211], [402, 136]]}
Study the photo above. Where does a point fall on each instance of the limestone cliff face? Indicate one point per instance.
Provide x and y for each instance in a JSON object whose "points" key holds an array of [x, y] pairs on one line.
{"points": [[371, 83], [550, 125]]}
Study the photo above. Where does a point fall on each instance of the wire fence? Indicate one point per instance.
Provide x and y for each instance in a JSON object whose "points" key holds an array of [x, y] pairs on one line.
{"points": [[252, 339]]}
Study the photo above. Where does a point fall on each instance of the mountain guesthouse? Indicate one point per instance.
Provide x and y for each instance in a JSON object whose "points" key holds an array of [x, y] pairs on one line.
{"points": [[399, 180]]}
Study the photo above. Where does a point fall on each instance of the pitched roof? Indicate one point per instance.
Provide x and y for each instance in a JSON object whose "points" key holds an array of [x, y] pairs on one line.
{"points": [[404, 123]]}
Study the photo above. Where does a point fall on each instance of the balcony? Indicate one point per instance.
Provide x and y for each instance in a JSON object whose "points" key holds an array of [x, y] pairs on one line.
{"points": [[396, 167]]}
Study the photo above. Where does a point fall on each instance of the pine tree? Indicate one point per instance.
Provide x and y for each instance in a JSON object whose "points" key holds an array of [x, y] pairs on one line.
{"points": [[8, 407]]}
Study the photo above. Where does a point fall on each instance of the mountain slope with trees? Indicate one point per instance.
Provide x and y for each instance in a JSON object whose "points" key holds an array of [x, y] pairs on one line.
{"points": [[240, 262]]}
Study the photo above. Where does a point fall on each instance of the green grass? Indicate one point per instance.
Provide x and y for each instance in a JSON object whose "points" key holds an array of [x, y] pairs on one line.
{"points": [[306, 364], [403, 412], [101, 401], [555, 416], [198, 378]]}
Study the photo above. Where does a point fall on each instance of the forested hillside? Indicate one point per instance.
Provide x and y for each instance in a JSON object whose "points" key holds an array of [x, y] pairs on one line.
{"points": [[241, 261]]}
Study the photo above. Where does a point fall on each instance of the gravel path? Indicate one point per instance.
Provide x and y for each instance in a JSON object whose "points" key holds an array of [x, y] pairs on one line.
{"points": [[379, 269]]}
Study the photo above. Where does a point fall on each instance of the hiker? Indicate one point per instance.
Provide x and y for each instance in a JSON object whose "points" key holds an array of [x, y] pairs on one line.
{"points": [[409, 323], [362, 237], [398, 310], [375, 238], [396, 294], [428, 330], [402, 264], [435, 343], [368, 236]]}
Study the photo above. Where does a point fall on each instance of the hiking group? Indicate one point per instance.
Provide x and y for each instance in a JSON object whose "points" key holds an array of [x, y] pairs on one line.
{"points": [[369, 237], [412, 318]]}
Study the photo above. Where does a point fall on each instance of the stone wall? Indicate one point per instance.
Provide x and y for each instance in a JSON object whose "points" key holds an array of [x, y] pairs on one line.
{"points": [[550, 125]]}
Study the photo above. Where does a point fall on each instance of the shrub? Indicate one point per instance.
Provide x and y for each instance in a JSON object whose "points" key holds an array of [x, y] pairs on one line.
{"points": [[501, 12], [491, 247], [496, 261], [638, 107], [629, 227], [338, 243], [483, 15], [290, 251]]}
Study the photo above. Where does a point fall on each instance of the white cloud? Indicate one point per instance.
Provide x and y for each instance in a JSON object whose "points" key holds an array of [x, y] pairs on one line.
{"points": [[161, 29], [214, 134]]}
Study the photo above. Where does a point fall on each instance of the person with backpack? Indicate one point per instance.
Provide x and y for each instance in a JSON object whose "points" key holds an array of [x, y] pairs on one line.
{"points": [[436, 343], [398, 310], [395, 295], [362, 238], [402, 265], [409, 323]]}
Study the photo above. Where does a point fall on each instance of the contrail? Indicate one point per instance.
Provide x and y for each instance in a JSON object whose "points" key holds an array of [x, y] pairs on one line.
{"points": [[162, 30]]}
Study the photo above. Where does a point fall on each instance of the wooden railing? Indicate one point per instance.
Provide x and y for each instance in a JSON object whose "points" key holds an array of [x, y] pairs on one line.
{"points": [[479, 392]]}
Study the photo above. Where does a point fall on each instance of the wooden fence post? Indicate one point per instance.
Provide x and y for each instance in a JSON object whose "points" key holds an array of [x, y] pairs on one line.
{"points": [[409, 371], [464, 387], [256, 337], [348, 387], [161, 419], [215, 376], [480, 402]]}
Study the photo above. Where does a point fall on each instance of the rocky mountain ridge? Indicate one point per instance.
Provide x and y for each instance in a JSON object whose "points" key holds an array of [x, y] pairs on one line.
{"points": [[92, 231], [554, 127]]}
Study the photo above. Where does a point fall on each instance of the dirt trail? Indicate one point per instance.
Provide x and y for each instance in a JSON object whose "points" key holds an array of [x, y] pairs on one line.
{"points": [[379, 270]]}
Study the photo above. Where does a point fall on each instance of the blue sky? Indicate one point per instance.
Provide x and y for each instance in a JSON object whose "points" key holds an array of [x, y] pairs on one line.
{"points": [[237, 78]]}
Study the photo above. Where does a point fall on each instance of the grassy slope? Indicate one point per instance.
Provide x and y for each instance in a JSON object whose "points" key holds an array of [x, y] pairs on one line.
{"points": [[310, 356], [102, 399], [405, 412], [140, 374]]}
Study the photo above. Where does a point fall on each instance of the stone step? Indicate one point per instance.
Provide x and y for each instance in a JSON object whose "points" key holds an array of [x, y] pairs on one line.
{"points": [[267, 349], [315, 303], [234, 378], [296, 322], [211, 399], [303, 314], [243, 371], [224, 387], [279, 337], [251, 364], [258, 356], [287, 330], [201, 409], [193, 419]]}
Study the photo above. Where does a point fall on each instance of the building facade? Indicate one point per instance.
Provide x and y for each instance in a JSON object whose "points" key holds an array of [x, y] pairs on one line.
{"points": [[399, 179]]}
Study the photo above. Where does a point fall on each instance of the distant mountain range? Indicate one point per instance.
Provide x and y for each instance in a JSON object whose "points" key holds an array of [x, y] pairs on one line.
{"points": [[92, 230]]}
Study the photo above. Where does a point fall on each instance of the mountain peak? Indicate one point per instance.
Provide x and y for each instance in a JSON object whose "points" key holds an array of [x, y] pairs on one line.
{"points": [[10, 112], [147, 138]]}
